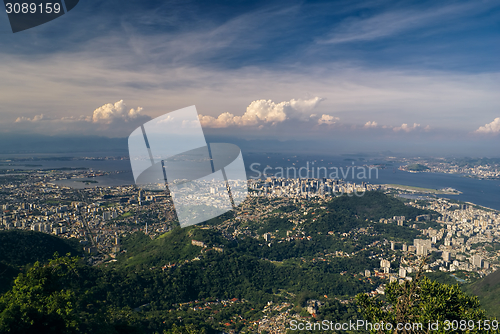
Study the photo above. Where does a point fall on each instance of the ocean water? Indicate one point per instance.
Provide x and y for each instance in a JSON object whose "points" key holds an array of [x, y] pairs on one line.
{"points": [[481, 192]]}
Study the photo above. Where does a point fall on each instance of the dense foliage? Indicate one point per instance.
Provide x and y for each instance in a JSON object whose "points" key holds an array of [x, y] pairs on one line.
{"points": [[437, 307], [21, 248], [56, 298], [488, 290]]}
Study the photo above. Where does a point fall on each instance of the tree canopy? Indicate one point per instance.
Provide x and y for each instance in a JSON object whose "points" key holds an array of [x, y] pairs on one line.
{"points": [[439, 308]]}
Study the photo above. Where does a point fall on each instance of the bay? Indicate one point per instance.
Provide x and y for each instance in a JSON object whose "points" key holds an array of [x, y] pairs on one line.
{"points": [[482, 192]]}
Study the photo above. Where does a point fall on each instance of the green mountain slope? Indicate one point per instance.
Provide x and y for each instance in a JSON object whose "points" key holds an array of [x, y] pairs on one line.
{"points": [[251, 268], [374, 205], [488, 291], [173, 246], [341, 215], [20, 248]]}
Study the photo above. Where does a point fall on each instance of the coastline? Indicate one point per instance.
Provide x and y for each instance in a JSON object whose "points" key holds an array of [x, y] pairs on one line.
{"points": [[422, 190]]}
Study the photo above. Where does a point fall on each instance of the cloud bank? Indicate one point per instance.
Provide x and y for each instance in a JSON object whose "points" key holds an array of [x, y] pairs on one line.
{"points": [[35, 118], [493, 127], [370, 124], [112, 112], [328, 120], [406, 128], [262, 112], [113, 119]]}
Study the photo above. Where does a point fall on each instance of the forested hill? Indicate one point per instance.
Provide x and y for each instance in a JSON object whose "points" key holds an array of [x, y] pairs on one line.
{"points": [[374, 205], [341, 215], [22, 247], [19, 248], [488, 290]]}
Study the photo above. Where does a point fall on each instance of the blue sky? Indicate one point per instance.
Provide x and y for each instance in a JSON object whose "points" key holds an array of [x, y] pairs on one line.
{"points": [[376, 70]]}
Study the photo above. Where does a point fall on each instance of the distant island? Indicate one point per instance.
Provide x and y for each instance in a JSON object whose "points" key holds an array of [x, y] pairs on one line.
{"points": [[415, 168]]}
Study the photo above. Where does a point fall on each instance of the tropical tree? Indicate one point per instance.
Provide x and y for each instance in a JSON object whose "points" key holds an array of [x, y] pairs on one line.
{"points": [[41, 301], [424, 306]]}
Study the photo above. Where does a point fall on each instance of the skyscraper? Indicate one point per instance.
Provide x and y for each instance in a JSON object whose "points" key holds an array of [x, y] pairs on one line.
{"points": [[477, 261]]}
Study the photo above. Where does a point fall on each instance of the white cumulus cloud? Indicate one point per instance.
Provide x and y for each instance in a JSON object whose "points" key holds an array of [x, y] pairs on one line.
{"points": [[111, 119], [407, 128], [264, 111], [493, 127], [327, 119], [370, 124], [36, 118], [117, 111]]}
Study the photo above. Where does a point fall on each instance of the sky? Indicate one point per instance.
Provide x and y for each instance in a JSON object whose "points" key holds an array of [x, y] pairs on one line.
{"points": [[366, 75]]}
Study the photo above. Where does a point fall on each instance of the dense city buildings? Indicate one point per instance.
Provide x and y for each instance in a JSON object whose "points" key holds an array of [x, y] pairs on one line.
{"points": [[455, 237], [475, 168], [99, 216]]}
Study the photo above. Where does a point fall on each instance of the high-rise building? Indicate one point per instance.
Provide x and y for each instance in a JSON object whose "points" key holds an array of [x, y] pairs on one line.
{"points": [[385, 263], [422, 250], [402, 272], [422, 246], [476, 261], [446, 256]]}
